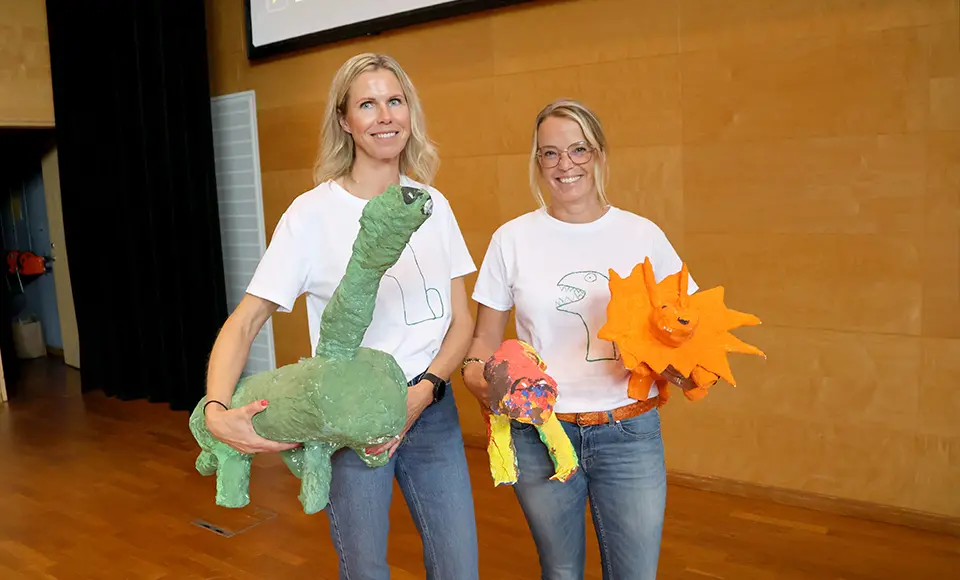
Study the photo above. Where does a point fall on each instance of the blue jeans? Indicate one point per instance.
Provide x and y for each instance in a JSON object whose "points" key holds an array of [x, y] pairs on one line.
{"points": [[623, 474], [431, 468]]}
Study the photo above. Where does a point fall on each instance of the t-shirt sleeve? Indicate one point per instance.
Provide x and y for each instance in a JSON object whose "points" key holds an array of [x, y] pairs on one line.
{"points": [[666, 261], [493, 287], [461, 262], [281, 275]]}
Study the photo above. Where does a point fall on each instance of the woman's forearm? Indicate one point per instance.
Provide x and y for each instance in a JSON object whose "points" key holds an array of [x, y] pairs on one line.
{"points": [[232, 347], [487, 337], [457, 340]]}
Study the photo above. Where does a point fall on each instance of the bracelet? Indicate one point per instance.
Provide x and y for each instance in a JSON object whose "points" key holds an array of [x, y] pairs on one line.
{"points": [[467, 361], [225, 408]]}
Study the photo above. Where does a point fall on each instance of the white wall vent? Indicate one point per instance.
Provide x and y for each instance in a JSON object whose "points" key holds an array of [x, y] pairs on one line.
{"points": [[240, 197]]}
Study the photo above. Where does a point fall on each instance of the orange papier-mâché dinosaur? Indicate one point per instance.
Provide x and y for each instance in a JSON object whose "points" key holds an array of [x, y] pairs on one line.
{"points": [[521, 390], [657, 326]]}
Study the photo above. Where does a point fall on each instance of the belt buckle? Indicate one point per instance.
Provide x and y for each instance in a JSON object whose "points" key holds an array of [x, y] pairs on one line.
{"points": [[579, 416]]}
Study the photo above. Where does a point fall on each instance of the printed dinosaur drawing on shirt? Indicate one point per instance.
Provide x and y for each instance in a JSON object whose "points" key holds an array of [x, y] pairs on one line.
{"points": [[420, 303], [575, 288]]}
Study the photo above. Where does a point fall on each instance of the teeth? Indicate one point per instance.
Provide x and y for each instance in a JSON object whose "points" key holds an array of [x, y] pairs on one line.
{"points": [[385, 135], [570, 179]]}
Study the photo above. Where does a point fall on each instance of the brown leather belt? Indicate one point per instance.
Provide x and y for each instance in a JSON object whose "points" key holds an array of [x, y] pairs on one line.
{"points": [[601, 417]]}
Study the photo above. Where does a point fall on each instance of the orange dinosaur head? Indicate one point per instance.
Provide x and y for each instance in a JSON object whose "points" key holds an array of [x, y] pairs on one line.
{"points": [[675, 321], [661, 325], [519, 387]]}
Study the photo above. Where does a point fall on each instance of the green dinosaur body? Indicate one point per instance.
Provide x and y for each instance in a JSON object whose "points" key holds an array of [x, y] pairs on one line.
{"points": [[345, 395]]}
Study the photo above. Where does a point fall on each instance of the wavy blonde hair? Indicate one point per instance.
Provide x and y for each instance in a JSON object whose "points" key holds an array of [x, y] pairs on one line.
{"points": [[337, 149], [592, 131]]}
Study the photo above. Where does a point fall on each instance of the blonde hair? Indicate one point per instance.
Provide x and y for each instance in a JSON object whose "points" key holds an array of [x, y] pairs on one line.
{"points": [[337, 149], [592, 131]]}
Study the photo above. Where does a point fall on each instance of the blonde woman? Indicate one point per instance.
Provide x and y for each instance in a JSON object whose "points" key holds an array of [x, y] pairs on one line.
{"points": [[373, 135], [551, 265]]}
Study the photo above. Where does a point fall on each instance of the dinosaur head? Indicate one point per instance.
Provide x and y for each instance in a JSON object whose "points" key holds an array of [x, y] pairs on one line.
{"points": [[672, 322], [387, 223], [575, 287], [519, 385]]}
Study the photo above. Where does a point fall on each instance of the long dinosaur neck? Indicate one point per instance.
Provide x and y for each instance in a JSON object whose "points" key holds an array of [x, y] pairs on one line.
{"points": [[350, 311]]}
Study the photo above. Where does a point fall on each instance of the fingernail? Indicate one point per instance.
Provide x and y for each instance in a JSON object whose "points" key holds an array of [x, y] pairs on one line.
{"points": [[263, 402]]}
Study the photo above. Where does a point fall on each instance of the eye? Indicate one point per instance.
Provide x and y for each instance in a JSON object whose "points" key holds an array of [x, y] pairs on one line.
{"points": [[590, 277], [662, 307], [396, 101], [364, 105]]}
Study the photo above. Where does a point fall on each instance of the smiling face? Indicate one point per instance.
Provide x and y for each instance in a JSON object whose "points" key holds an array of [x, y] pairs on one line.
{"points": [[567, 161], [376, 115]]}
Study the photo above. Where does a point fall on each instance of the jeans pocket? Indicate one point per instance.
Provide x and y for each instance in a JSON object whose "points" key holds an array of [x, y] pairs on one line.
{"points": [[519, 427], [645, 426]]}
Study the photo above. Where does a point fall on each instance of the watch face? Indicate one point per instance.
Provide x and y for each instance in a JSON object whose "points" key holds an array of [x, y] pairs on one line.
{"points": [[439, 388]]}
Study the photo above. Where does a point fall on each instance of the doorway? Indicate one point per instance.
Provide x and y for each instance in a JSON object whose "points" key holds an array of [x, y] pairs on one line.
{"points": [[37, 315]]}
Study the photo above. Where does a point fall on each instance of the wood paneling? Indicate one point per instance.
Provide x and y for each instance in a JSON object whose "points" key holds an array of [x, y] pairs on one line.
{"points": [[803, 154], [26, 93]]}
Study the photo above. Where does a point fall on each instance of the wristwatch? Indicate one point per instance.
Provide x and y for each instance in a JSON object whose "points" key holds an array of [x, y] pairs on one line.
{"points": [[439, 385]]}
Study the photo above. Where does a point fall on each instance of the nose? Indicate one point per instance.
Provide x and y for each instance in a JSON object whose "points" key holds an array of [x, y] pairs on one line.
{"points": [[410, 194], [565, 163], [384, 114]]}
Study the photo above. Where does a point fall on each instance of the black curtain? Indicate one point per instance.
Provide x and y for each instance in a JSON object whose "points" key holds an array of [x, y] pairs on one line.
{"points": [[132, 110]]}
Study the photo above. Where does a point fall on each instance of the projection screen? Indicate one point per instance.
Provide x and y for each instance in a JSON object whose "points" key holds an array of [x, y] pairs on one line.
{"points": [[277, 26]]}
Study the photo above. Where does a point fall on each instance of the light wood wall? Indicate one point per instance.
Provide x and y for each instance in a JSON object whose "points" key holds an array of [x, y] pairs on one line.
{"points": [[26, 94], [803, 154]]}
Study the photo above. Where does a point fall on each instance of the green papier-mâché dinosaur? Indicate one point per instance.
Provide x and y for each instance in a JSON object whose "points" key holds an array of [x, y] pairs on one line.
{"points": [[345, 395]]}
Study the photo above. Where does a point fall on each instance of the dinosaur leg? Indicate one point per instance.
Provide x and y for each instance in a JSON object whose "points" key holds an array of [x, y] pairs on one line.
{"points": [[293, 458], [503, 456], [206, 463], [233, 477], [316, 475], [562, 453]]}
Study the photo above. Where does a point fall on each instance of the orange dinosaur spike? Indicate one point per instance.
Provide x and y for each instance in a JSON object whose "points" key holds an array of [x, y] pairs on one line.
{"points": [[651, 282]]}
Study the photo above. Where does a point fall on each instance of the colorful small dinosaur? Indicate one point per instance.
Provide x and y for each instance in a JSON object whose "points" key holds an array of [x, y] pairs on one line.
{"points": [[345, 395], [521, 390]]}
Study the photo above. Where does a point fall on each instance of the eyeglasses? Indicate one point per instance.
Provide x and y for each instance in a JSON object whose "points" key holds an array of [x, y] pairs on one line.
{"points": [[578, 153]]}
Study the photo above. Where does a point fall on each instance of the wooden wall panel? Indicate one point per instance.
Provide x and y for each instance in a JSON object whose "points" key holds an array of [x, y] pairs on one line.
{"points": [[26, 92], [805, 154]]}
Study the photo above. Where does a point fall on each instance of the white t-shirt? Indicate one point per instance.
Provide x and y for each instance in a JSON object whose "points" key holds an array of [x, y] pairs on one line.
{"points": [[556, 274], [312, 244]]}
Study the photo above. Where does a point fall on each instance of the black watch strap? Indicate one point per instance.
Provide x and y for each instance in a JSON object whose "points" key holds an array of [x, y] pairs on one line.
{"points": [[439, 385]]}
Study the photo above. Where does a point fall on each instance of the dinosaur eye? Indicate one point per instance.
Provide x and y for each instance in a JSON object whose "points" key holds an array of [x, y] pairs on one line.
{"points": [[662, 307], [590, 277]]}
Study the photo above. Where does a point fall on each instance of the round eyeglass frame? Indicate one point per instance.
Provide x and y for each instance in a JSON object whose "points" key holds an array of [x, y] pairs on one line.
{"points": [[546, 164]]}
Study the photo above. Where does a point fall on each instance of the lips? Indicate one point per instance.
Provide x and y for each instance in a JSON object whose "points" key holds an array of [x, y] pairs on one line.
{"points": [[386, 134], [569, 179]]}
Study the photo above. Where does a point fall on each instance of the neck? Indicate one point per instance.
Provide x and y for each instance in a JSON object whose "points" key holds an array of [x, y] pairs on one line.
{"points": [[370, 177], [579, 212]]}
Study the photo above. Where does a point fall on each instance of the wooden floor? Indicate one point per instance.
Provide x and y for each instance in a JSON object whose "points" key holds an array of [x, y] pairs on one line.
{"points": [[92, 487]]}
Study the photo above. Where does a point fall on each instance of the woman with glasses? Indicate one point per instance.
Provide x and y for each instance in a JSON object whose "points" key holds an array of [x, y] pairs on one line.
{"points": [[552, 266]]}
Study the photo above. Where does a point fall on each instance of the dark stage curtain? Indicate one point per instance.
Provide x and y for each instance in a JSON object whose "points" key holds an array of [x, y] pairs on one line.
{"points": [[132, 106]]}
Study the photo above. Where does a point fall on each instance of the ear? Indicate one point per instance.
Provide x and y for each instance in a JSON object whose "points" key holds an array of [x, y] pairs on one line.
{"points": [[684, 298], [343, 124], [651, 282]]}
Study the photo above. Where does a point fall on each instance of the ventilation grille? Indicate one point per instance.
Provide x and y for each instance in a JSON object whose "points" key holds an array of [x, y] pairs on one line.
{"points": [[240, 197]]}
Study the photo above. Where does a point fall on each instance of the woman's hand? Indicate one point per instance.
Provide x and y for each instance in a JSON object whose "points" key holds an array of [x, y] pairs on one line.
{"points": [[477, 385], [419, 398], [235, 428], [673, 375]]}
